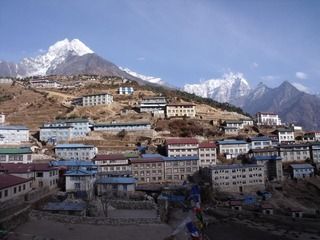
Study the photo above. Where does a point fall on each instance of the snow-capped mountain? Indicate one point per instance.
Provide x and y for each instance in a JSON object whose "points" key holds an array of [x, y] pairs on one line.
{"points": [[55, 55], [229, 88], [150, 79]]}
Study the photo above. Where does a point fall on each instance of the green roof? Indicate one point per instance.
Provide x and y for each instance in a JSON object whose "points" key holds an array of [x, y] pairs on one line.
{"points": [[24, 150]]}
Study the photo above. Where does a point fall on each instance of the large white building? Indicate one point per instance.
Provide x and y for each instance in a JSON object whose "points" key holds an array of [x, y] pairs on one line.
{"points": [[301, 170], [13, 186], [15, 155], [181, 110], [112, 164], [11, 134], [80, 181], [207, 154], [232, 148], [268, 118], [238, 178], [260, 142], [182, 147], [285, 135], [44, 83], [97, 99], [152, 104], [117, 127], [76, 151], [294, 152], [125, 90]]}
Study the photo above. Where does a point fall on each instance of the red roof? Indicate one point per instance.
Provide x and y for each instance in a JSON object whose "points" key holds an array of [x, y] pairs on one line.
{"points": [[181, 141], [146, 160], [7, 180], [25, 167], [109, 157], [207, 145]]}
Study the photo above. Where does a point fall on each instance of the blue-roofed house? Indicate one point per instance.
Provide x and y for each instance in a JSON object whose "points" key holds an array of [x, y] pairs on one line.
{"points": [[13, 134], [80, 181], [177, 169], [272, 167], [116, 186], [76, 151], [303, 170], [75, 165], [232, 148], [260, 142], [67, 207]]}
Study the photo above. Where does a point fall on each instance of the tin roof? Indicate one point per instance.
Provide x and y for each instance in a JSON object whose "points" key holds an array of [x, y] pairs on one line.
{"points": [[74, 145], [13, 127], [7, 180], [22, 150], [299, 166], [181, 141], [116, 180]]}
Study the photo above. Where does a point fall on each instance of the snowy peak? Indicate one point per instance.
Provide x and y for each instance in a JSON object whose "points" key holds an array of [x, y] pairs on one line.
{"points": [[150, 79], [228, 88], [56, 54]]}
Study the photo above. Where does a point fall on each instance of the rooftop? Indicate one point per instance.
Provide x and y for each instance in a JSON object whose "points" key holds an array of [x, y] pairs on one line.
{"points": [[109, 157], [72, 120], [260, 138], [13, 127], [25, 167], [74, 145], [80, 172], [207, 145], [234, 166], [181, 104], [146, 160], [299, 166], [267, 158], [7, 180], [23, 150], [116, 180], [231, 142], [72, 163], [186, 158], [97, 94], [121, 124], [181, 141]]}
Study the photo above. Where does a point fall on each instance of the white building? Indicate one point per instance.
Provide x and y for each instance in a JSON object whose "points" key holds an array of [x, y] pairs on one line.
{"points": [[15, 155], [312, 136], [260, 142], [238, 178], [151, 104], [112, 164], [230, 130], [181, 147], [315, 154], [181, 110], [117, 186], [294, 152], [76, 151], [117, 127], [207, 154], [301, 170], [234, 124], [13, 186], [232, 148], [97, 99], [125, 90], [268, 118], [11, 134], [56, 134], [285, 135], [44, 83], [6, 81], [80, 181]]}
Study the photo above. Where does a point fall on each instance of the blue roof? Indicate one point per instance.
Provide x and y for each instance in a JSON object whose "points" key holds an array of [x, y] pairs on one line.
{"points": [[72, 163], [231, 142], [13, 127], [186, 158], [234, 166], [299, 166], [116, 180], [80, 172], [262, 138], [74, 145], [266, 158], [152, 155]]}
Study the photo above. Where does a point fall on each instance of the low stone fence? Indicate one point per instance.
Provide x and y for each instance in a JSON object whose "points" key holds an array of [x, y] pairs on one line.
{"points": [[92, 220], [133, 205]]}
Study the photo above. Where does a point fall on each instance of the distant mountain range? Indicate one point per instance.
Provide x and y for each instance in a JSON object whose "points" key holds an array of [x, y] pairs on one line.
{"points": [[70, 58]]}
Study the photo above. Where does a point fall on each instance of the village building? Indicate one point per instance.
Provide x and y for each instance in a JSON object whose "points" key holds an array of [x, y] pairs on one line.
{"points": [[263, 152], [230, 130], [260, 142], [238, 178], [75, 151], [148, 170], [67, 207], [115, 186], [153, 104], [285, 135], [272, 167], [247, 122], [294, 152], [13, 186], [44, 83], [74, 165], [268, 119], [315, 154], [301, 170], [125, 90], [118, 127], [179, 147], [80, 182], [96, 99], [311, 137], [13, 134], [207, 154], [41, 174], [112, 164], [232, 148], [6, 81], [233, 124], [16, 155], [177, 169], [181, 110]]}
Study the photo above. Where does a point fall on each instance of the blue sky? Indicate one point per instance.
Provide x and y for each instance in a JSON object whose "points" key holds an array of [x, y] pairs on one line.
{"points": [[181, 41]]}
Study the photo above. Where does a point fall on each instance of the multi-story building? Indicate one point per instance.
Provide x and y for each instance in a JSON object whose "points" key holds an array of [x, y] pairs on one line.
{"points": [[13, 186], [315, 154], [151, 104], [75, 151], [247, 122], [80, 181], [260, 142], [112, 164], [177, 169], [117, 186], [233, 124], [268, 118], [232, 148], [11, 134], [294, 152], [272, 167], [207, 154], [75, 165], [238, 178], [312, 136], [117, 127], [148, 170], [285, 135], [125, 90], [230, 130], [181, 110], [97, 99], [263, 152], [16, 155], [179, 147], [301, 170]]}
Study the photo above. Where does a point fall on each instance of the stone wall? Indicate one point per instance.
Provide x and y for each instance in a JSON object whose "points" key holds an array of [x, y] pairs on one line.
{"points": [[92, 220], [122, 204]]}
